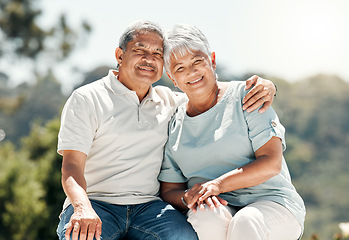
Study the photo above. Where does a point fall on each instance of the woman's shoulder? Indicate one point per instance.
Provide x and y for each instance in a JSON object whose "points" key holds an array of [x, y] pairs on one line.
{"points": [[233, 89]]}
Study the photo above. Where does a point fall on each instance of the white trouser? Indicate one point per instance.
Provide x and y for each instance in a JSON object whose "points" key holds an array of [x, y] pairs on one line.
{"points": [[264, 220]]}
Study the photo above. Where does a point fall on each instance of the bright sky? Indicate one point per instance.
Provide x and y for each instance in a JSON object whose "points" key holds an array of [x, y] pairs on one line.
{"points": [[291, 39]]}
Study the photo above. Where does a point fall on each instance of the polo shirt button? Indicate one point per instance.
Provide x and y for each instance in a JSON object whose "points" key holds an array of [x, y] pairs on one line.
{"points": [[273, 123], [143, 124]]}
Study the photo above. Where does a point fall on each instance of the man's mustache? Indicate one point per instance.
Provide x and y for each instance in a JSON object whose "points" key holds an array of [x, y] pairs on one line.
{"points": [[148, 65]]}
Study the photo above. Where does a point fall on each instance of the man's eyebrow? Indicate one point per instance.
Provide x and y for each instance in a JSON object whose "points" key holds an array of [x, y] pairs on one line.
{"points": [[139, 44]]}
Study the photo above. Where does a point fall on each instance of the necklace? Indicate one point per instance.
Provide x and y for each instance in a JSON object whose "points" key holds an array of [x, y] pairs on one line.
{"points": [[215, 97]]}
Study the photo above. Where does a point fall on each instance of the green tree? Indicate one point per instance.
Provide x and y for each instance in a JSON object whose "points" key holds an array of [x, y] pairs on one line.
{"points": [[21, 193], [22, 39], [31, 196], [22, 36]]}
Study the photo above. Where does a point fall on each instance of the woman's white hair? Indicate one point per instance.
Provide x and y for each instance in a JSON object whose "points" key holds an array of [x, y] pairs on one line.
{"points": [[184, 38]]}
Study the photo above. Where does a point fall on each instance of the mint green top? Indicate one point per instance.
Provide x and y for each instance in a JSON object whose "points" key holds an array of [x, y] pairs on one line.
{"points": [[224, 138]]}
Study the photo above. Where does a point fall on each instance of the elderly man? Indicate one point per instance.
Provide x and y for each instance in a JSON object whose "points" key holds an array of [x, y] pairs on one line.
{"points": [[112, 136]]}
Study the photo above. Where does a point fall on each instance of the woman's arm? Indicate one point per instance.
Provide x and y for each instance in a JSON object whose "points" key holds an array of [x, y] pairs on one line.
{"points": [[268, 163], [173, 193]]}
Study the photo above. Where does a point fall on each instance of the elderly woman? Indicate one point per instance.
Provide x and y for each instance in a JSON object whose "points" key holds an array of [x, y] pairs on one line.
{"points": [[222, 163]]}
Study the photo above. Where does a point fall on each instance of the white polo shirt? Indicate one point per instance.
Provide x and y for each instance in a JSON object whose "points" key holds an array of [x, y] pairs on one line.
{"points": [[122, 138]]}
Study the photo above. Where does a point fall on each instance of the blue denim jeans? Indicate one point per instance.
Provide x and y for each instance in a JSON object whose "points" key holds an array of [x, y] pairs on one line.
{"points": [[151, 220]]}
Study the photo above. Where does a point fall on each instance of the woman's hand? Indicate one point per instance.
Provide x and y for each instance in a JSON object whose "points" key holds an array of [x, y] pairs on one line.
{"points": [[202, 193]]}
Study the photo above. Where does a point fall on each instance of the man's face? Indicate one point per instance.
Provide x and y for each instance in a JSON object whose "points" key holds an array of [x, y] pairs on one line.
{"points": [[142, 62]]}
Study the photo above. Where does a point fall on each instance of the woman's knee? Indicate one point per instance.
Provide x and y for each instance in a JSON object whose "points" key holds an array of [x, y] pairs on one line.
{"points": [[247, 217], [208, 221]]}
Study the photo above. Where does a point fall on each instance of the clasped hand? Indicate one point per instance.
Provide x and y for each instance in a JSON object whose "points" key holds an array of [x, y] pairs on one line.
{"points": [[204, 193]]}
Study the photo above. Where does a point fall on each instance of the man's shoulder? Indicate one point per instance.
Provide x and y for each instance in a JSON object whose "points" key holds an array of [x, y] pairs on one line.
{"points": [[94, 86], [89, 90]]}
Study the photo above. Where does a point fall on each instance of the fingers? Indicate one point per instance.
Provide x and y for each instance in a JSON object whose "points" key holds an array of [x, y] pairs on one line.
{"points": [[257, 98], [98, 231], [251, 81], [210, 203], [82, 231], [265, 107], [205, 195], [193, 194], [68, 231], [216, 201], [252, 92], [91, 231], [76, 230], [222, 201]]}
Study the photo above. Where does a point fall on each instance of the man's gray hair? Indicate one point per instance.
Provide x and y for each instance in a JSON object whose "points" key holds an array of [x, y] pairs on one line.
{"points": [[184, 38], [140, 26]]}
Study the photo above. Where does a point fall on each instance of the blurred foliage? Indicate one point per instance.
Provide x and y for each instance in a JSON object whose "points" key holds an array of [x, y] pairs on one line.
{"points": [[30, 193], [24, 104], [20, 34], [314, 112], [23, 39]]}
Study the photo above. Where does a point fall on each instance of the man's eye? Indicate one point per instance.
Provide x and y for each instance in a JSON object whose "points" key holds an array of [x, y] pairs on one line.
{"points": [[157, 54]]}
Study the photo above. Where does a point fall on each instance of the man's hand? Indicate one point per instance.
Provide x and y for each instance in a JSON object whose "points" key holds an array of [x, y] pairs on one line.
{"points": [[261, 94], [85, 222]]}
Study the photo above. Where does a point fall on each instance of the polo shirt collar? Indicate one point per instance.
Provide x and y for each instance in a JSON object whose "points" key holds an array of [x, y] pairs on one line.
{"points": [[153, 95], [114, 85]]}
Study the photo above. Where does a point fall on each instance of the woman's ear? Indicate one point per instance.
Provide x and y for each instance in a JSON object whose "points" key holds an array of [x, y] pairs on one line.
{"points": [[119, 54], [213, 60], [174, 81]]}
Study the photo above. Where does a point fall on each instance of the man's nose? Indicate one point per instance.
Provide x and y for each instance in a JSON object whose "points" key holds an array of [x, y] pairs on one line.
{"points": [[148, 57]]}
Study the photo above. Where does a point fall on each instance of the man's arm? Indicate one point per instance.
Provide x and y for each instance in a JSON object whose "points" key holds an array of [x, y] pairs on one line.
{"points": [[262, 93], [84, 221]]}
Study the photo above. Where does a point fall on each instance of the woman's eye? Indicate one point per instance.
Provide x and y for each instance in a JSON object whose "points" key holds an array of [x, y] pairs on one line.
{"points": [[180, 69], [197, 61]]}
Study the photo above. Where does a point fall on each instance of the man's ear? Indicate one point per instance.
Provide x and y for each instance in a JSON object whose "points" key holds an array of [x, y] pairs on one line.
{"points": [[213, 60], [119, 54], [174, 81]]}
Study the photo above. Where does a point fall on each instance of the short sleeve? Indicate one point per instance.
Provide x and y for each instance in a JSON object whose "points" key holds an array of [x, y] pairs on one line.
{"points": [[78, 125], [170, 171], [263, 126]]}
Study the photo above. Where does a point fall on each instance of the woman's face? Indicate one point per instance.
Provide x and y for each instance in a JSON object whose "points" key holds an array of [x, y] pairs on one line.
{"points": [[193, 72]]}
